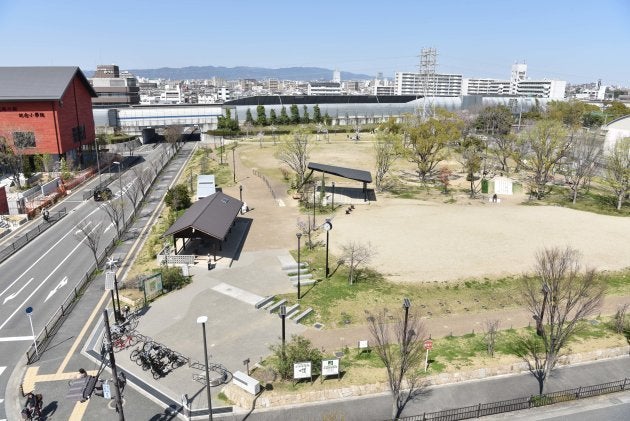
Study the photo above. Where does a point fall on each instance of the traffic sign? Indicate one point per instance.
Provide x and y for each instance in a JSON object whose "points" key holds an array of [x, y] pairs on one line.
{"points": [[428, 344]]}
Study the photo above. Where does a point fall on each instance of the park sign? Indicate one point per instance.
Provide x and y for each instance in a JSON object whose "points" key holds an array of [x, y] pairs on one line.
{"points": [[330, 367], [428, 344], [302, 370]]}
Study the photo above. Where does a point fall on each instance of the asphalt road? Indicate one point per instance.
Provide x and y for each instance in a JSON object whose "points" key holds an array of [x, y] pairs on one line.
{"points": [[44, 272]]}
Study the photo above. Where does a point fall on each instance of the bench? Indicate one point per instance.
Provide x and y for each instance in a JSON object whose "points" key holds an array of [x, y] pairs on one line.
{"points": [[264, 301], [245, 382], [277, 305]]}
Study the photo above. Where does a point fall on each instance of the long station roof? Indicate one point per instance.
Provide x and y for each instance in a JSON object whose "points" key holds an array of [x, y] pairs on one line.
{"points": [[352, 174], [213, 216]]}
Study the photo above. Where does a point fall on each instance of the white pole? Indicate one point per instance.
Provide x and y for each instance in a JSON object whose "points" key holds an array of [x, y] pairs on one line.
{"points": [[426, 361], [33, 332]]}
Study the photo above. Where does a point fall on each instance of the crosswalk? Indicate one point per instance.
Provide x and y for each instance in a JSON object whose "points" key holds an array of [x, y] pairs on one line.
{"points": [[2, 400]]}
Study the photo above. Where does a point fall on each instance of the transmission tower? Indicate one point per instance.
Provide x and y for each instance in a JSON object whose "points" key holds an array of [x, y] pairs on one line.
{"points": [[428, 82]]}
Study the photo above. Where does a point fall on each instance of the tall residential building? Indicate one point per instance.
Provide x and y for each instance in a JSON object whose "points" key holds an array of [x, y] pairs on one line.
{"points": [[114, 88], [519, 73], [336, 76], [324, 88], [485, 86], [552, 89], [439, 84]]}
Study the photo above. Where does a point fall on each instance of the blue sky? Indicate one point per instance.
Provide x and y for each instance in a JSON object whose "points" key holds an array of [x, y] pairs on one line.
{"points": [[578, 41]]}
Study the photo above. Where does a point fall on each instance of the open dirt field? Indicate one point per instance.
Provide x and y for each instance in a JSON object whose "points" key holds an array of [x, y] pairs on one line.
{"points": [[430, 240]]}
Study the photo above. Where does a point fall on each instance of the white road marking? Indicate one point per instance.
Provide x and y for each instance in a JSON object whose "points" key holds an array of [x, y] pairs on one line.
{"points": [[239, 294], [281, 203], [1, 371], [44, 281], [44, 254], [15, 294], [109, 227], [63, 282], [15, 339]]}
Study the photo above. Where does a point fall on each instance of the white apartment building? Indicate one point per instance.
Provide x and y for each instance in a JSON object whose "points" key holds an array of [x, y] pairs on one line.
{"points": [[383, 90], [552, 89], [438, 84], [485, 86], [324, 88], [172, 95], [519, 73]]}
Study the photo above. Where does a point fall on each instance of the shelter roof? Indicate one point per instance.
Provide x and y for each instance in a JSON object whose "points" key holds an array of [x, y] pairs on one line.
{"points": [[353, 174], [213, 215]]}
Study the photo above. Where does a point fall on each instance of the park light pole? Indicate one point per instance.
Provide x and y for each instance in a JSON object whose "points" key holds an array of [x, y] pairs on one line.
{"points": [[283, 315], [333, 196], [314, 191], [406, 305], [327, 228], [98, 163], [240, 191], [122, 202], [202, 321], [112, 360], [298, 235]]}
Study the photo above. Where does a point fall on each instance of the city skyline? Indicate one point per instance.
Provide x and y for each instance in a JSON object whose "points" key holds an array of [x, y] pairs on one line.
{"points": [[574, 41]]}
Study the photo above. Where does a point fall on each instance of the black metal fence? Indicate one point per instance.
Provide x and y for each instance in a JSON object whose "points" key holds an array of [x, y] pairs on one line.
{"points": [[485, 409], [20, 242], [263, 178]]}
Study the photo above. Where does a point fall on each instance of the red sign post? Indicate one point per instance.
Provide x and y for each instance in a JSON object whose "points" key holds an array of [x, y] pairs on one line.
{"points": [[428, 344]]}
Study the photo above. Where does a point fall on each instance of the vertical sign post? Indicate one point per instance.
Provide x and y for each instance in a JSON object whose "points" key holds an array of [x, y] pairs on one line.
{"points": [[29, 310], [428, 344]]}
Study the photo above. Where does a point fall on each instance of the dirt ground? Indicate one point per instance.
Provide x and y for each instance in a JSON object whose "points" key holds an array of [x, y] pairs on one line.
{"points": [[420, 241]]}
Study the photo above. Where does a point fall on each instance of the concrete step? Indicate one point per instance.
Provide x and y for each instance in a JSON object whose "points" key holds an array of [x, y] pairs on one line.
{"points": [[293, 310], [302, 315], [302, 277], [304, 282], [276, 306], [294, 272], [264, 301]]}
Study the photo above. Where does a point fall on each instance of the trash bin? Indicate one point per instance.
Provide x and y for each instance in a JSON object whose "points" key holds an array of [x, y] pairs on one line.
{"points": [[210, 265]]}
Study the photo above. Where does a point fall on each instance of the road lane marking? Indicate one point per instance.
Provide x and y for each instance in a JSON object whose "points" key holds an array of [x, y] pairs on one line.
{"points": [[1, 371], [15, 339], [62, 283], [45, 279], [15, 294], [44, 254], [109, 227]]}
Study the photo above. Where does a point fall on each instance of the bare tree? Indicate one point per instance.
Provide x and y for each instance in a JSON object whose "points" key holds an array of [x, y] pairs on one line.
{"points": [[620, 318], [492, 329], [354, 255], [90, 236], [581, 158], [295, 152], [547, 143], [248, 127], [134, 192], [11, 157], [172, 135], [559, 296], [306, 228], [618, 170], [399, 345], [385, 153], [142, 176], [260, 137], [114, 210]]}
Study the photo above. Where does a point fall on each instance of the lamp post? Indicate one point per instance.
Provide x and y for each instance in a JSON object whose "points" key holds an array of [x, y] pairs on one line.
{"points": [[98, 164], [234, 163], [327, 228], [333, 196], [406, 305], [29, 310], [314, 191], [202, 321], [299, 235], [122, 202], [112, 360], [283, 315], [240, 192]]}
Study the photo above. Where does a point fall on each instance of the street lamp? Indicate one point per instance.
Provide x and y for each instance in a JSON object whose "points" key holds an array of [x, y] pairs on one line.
{"points": [[327, 228], [406, 305], [298, 235], [240, 191], [202, 321], [283, 315], [314, 191], [122, 202]]}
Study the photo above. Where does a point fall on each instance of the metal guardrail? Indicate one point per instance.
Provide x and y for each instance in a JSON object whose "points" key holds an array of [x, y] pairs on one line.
{"points": [[20, 242], [262, 176], [485, 409]]}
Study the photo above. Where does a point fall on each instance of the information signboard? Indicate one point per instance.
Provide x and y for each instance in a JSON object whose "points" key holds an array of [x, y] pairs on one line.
{"points": [[330, 367], [302, 370]]}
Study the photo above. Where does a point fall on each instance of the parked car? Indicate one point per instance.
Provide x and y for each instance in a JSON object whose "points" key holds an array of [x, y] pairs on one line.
{"points": [[103, 193]]}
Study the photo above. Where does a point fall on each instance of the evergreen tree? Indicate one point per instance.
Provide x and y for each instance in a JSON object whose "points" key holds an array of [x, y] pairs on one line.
{"points": [[272, 117], [327, 119], [284, 118], [295, 114], [317, 115], [305, 117], [261, 115], [248, 117]]}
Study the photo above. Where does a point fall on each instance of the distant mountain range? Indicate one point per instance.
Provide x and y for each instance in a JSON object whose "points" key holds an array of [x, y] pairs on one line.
{"points": [[242, 72]]}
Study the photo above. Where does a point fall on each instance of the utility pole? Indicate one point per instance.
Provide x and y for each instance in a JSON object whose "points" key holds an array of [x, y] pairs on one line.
{"points": [[112, 360], [428, 66]]}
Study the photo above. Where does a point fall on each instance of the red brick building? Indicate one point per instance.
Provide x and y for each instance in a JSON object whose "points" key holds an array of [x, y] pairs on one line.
{"points": [[46, 110]]}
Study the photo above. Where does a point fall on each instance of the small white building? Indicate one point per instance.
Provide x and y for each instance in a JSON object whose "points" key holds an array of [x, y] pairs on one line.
{"points": [[205, 186], [324, 88], [616, 130]]}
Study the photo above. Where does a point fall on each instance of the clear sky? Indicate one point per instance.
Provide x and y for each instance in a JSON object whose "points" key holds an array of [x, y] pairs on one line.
{"points": [[574, 40]]}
